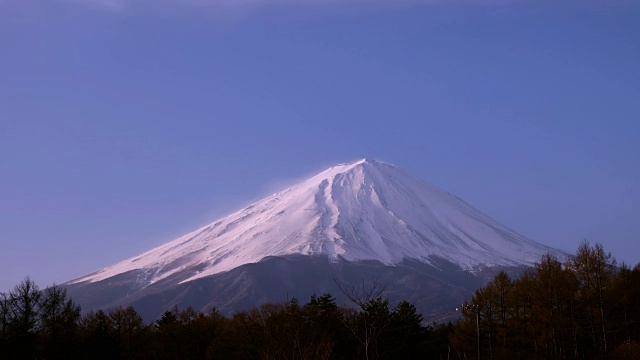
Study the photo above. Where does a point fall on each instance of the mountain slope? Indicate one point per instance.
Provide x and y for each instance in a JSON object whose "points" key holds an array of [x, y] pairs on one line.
{"points": [[366, 210], [434, 291]]}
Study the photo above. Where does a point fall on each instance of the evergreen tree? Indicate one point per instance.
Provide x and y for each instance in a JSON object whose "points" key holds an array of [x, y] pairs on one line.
{"points": [[97, 339], [166, 336], [406, 334]]}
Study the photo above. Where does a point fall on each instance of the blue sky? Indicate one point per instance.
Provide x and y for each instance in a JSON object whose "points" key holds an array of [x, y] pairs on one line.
{"points": [[124, 124]]}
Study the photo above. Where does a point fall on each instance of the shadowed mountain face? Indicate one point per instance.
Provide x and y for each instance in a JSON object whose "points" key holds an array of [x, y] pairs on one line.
{"points": [[352, 222], [436, 292]]}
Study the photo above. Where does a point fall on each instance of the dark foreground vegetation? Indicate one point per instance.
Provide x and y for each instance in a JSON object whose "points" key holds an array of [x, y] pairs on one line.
{"points": [[587, 308]]}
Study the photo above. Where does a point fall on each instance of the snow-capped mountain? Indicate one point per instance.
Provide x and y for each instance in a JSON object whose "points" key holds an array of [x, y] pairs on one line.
{"points": [[366, 210]]}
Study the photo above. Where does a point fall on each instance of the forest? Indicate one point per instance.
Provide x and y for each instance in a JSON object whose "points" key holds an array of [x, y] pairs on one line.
{"points": [[585, 308]]}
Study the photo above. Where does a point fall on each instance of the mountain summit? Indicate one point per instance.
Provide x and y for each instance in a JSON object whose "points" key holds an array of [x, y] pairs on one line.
{"points": [[365, 210]]}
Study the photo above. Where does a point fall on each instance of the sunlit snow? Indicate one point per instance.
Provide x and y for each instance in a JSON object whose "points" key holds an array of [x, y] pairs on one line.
{"points": [[363, 210]]}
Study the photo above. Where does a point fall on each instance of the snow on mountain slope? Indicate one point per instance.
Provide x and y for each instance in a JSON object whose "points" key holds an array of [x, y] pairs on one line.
{"points": [[357, 211]]}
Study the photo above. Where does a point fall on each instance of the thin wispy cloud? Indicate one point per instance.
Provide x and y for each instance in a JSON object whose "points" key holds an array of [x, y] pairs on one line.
{"points": [[119, 5], [101, 4], [228, 10], [222, 11]]}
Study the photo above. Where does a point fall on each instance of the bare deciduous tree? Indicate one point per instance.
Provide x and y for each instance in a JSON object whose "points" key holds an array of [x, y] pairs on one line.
{"points": [[373, 318]]}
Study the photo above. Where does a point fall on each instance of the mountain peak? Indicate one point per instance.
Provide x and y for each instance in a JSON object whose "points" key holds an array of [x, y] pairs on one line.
{"points": [[351, 165], [360, 162], [366, 161], [364, 210]]}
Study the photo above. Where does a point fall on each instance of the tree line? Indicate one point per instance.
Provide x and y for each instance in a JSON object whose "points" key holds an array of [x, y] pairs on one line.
{"points": [[585, 308], [47, 324]]}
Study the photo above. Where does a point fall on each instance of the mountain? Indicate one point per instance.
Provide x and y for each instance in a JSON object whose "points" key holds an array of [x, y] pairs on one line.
{"points": [[355, 215]]}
